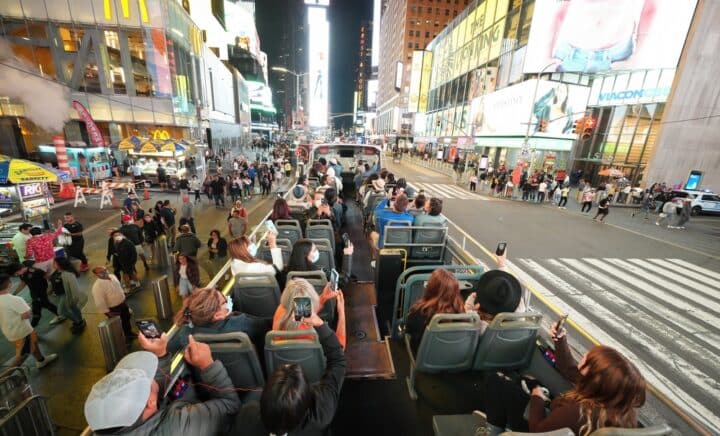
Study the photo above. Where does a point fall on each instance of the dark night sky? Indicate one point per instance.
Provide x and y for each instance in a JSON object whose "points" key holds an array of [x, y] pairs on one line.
{"points": [[345, 17]]}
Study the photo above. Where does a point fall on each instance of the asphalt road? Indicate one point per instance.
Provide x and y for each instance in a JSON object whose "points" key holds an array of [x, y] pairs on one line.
{"points": [[652, 293]]}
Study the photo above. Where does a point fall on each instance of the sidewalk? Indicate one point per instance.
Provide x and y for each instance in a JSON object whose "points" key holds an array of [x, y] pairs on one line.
{"points": [[702, 234]]}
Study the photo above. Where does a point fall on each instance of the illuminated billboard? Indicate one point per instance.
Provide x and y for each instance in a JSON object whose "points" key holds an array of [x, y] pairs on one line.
{"points": [[425, 81], [398, 75], [505, 112], [318, 66], [260, 95], [589, 36], [415, 77]]}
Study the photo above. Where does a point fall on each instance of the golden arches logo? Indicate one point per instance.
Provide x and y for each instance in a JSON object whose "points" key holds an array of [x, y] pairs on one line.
{"points": [[125, 9], [161, 134]]}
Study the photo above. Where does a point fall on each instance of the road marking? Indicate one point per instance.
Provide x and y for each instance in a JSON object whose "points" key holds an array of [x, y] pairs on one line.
{"points": [[694, 267], [681, 271], [709, 292], [447, 191], [671, 390]]}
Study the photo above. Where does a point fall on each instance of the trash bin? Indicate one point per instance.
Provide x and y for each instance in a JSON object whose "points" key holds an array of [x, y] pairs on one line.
{"points": [[112, 340], [161, 252], [161, 292]]}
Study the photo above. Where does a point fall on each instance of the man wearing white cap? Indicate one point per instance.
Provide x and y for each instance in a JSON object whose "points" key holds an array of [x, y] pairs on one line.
{"points": [[129, 399]]}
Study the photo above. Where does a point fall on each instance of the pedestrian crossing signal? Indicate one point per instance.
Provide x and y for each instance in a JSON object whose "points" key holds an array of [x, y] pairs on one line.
{"points": [[543, 126], [588, 127]]}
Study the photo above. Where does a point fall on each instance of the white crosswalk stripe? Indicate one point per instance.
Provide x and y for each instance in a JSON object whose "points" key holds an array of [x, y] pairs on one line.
{"points": [[446, 190], [665, 321]]}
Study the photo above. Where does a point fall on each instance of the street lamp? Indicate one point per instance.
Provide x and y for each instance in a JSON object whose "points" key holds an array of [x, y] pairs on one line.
{"points": [[526, 144], [297, 85]]}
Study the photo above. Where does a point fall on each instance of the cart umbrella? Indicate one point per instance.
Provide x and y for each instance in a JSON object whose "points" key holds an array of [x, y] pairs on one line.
{"points": [[172, 145], [611, 172], [18, 171], [129, 143]]}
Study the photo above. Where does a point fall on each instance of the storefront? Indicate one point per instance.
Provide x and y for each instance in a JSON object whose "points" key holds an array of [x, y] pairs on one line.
{"points": [[91, 163]]}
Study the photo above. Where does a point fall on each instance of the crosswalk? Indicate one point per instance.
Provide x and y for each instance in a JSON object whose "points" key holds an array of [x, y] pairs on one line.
{"points": [[447, 190], [661, 313]]}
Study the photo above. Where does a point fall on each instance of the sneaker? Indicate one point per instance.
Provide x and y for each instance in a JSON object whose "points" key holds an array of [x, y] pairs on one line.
{"points": [[57, 320], [657, 223], [46, 361]]}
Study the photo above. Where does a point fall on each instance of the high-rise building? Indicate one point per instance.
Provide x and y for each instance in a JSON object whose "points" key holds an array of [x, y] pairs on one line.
{"points": [[405, 26]]}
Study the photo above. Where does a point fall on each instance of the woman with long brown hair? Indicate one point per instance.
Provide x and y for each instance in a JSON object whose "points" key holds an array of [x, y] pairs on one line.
{"points": [[442, 295], [242, 252], [607, 391]]}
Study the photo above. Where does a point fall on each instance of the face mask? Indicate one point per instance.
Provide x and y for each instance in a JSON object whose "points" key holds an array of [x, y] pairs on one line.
{"points": [[317, 203], [118, 238], [315, 257], [229, 305], [252, 249]]}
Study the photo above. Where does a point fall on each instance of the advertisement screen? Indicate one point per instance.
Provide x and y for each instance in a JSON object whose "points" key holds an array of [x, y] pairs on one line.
{"points": [[506, 112], [415, 76], [260, 94], [589, 36], [398, 75], [318, 66]]}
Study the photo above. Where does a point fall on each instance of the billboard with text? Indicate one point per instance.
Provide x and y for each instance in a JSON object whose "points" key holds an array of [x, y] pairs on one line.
{"points": [[599, 35]]}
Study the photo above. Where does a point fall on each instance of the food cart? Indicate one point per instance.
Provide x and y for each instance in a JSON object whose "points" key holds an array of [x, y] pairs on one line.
{"points": [[86, 163]]}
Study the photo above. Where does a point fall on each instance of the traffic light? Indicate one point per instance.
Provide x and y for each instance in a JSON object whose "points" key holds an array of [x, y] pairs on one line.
{"points": [[543, 126], [578, 126], [588, 127]]}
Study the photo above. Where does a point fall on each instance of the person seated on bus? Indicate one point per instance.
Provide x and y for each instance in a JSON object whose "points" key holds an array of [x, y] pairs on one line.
{"points": [[367, 188], [402, 184], [397, 211], [418, 206], [320, 209], [284, 318], [433, 214], [242, 254], [498, 292], [303, 258], [334, 180], [332, 199], [607, 391], [290, 405], [336, 166], [280, 210], [207, 310], [130, 400], [441, 295], [300, 195]]}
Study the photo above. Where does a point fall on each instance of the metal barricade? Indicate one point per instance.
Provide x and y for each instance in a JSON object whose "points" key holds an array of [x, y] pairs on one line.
{"points": [[161, 292], [112, 340], [14, 389], [161, 252], [29, 418]]}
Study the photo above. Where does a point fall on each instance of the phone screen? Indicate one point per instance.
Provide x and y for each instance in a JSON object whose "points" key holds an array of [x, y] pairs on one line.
{"points": [[334, 277], [561, 323], [148, 328], [346, 239], [302, 307], [501, 248], [271, 227]]}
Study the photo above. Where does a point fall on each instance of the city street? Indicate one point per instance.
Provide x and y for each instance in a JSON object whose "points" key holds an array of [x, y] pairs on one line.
{"points": [[67, 381], [652, 293]]}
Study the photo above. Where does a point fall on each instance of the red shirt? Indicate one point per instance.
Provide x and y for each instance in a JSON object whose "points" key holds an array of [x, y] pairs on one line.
{"points": [[41, 247]]}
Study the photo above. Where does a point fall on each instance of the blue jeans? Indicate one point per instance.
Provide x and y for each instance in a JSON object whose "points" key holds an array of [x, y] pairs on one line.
{"points": [[592, 61]]}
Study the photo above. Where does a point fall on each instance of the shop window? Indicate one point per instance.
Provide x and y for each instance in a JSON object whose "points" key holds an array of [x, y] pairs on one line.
{"points": [[44, 61], [447, 12], [527, 16], [115, 68], [71, 38], [513, 22], [427, 34], [141, 76]]}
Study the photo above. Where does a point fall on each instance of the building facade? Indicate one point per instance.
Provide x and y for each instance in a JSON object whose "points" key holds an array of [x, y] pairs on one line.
{"points": [[405, 26]]}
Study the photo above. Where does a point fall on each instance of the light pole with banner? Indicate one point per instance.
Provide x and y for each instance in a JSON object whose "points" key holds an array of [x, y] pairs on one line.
{"points": [[297, 87]]}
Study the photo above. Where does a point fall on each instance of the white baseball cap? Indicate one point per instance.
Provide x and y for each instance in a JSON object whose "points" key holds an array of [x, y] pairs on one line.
{"points": [[119, 398]]}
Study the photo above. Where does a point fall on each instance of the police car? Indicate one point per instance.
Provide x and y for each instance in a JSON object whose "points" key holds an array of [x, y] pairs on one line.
{"points": [[702, 201]]}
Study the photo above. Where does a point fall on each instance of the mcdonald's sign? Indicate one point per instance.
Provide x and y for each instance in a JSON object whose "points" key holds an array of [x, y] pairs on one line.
{"points": [[125, 9], [161, 134]]}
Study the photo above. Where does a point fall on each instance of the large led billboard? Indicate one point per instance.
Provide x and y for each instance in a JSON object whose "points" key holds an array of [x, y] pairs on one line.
{"points": [[590, 36], [506, 112], [318, 66], [415, 76]]}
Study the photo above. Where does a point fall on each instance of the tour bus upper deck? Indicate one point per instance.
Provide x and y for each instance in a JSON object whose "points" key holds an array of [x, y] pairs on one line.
{"points": [[348, 155]]}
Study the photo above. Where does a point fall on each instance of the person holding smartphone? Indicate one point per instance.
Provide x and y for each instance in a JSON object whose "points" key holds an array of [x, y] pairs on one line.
{"points": [[607, 391]]}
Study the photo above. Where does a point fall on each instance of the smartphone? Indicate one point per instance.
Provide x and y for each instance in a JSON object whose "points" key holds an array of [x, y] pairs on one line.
{"points": [[323, 202], [500, 250], [560, 324], [271, 227], [148, 328], [302, 307], [346, 240], [334, 277]]}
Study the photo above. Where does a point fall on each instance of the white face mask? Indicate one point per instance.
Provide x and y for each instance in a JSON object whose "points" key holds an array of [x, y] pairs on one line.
{"points": [[252, 249], [315, 256], [118, 238], [317, 203]]}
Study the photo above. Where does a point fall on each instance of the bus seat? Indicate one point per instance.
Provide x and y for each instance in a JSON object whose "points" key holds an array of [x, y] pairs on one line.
{"points": [[318, 280], [411, 285], [429, 243], [508, 342], [448, 345], [560, 432], [321, 229], [397, 233], [285, 246], [289, 229], [369, 208], [237, 353], [299, 214], [257, 295], [458, 425], [301, 347], [655, 430], [327, 259]]}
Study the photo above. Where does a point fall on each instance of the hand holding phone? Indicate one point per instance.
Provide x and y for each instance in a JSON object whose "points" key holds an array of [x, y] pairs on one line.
{"points": [[558, 328], [501, 247], [271, 227], [149, 328], [302, 308], [334, 278]]}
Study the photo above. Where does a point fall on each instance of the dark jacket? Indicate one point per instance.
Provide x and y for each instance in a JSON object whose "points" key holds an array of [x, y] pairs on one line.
{"points": [[168, 216], [133, 233], [222, 247], [193, 272], [183, 417], [187, 244], [122, 254], [415, 327], [151, 231]]}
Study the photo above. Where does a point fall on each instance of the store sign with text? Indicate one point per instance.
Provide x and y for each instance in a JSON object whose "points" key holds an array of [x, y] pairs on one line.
{"points": [[638, 87]]}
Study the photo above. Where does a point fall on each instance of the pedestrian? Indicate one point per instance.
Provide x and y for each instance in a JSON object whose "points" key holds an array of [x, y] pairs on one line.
{"points": [[217, 251], [647, 205], [184, 186], [235, 187], [137, 214], [684, 215], [19, 240], [564, 192], [218, 190], [186, 213], [207, 187], [187, 275], [265, 183], [167, 217], [187, 243], [162, 177], [151, 231], [16, 327], [123, 255], [40, 247], [35, 280], [473, 182], [587, 198], [134, 234], [110, 299], [67, 289], [603, 209], [195, 187], [237, 224]]}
